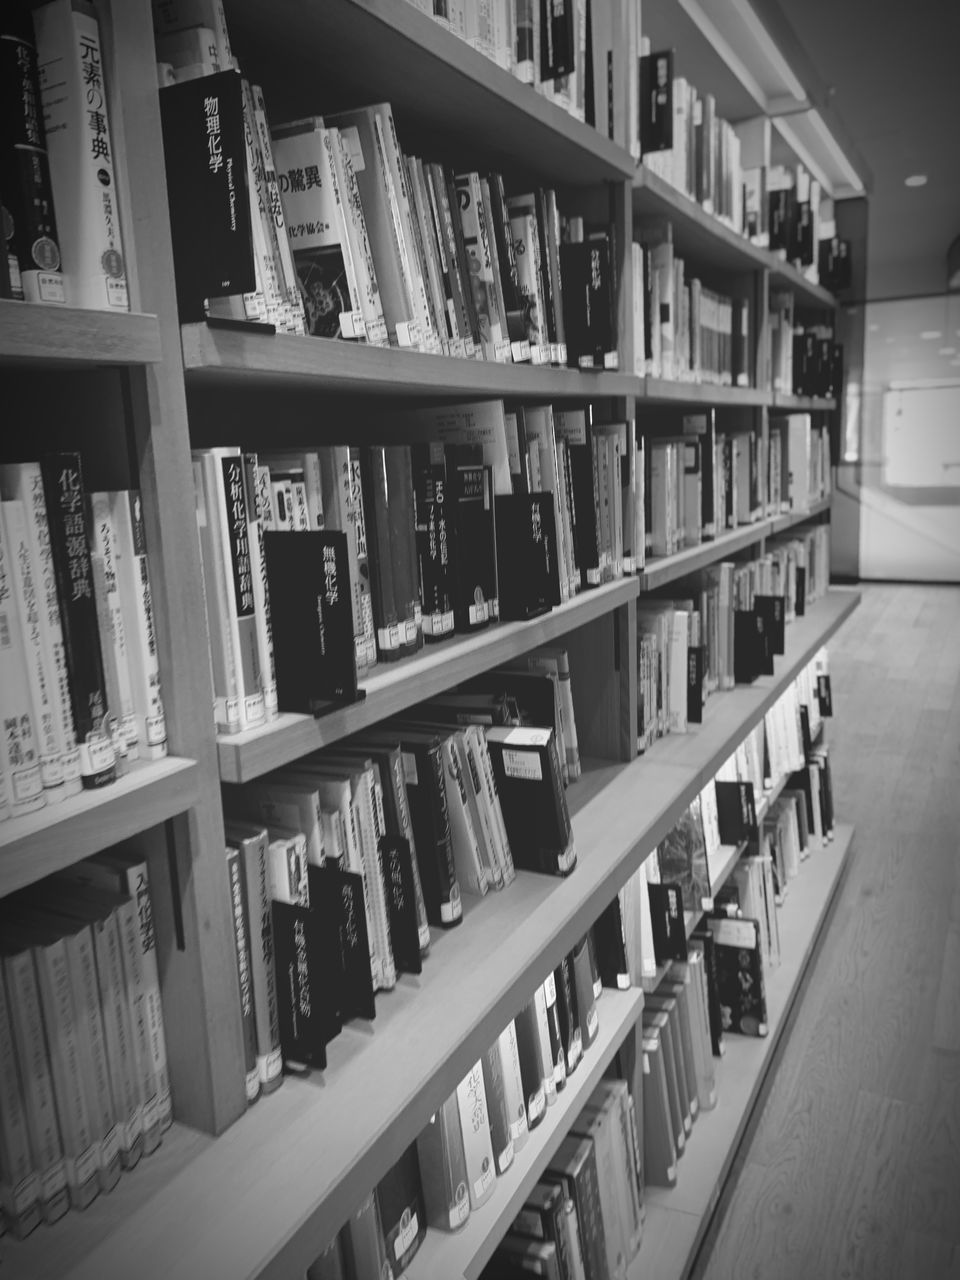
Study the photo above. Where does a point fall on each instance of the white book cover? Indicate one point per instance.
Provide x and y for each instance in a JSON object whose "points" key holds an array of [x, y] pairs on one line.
{"points": [[19, 563], [253, 846], [475, 1129], [288, 274], [20, 760], [113, 636], [513, 1085], [287, 870], [76, 113], [371, 304], [19, 1183], [24, 481], [118, 1037], [498, 827], [33, 1063]]}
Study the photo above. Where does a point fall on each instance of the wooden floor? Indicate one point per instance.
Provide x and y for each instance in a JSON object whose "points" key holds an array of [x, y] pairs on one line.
{"points": [[852, 1167]]}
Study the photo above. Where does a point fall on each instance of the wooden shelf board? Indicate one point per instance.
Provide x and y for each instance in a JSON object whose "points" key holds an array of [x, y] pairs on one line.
{"points": [[34, 333], [661, 391], [58, 835], [394, 687], [784, 402], [232, 355], [663, 569], [698, 237], [51, 1252], [788, 519], [809, 296], [327, 1138], [468, 1250], [392, 51], [678, 1217]]}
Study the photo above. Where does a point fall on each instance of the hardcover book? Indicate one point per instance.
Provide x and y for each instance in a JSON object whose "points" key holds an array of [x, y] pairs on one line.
{"points": [[682, 858], [443, 1168], [402, 1215], [527, 771], [739, 970]]}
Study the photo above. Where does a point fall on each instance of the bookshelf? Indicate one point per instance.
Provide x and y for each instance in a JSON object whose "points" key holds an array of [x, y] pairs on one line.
{"points": [[802, 404], [199, 1206]]}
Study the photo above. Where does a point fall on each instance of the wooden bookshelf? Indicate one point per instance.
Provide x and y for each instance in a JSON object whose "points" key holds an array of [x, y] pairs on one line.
{"points": [[809, 296], [788, 519], [394, 687], [38, 334], [664, 569], [59, 835], [384, 1080], [678, 1217], [468, 1250], [785, 403], [389, 52], [231, 356], [662, 391]]}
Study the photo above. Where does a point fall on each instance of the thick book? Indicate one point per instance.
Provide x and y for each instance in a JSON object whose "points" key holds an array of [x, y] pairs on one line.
{"points": [[667, 918], [739, 974], [240, 916], [70, 543], [475, 1131], [542, 1218], [658, 1020], [533, 1066], [610, 945], [207, 182], [682, 858], [656, 101], [343, 508], [337, 903], [517, 1256], [527, 771], [574, 1165], [568, 1013], [585, 993], [589, 302], [76, 111], [402, 1215], [312, 620], [528, 580], [364, 1245], [389, 511], [443, 1168], [30, 226], [513, 1088], [498, 1112], [659, 1146], [474, 544]]}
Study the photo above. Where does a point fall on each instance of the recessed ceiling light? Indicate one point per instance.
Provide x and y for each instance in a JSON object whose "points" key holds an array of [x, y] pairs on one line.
{"points": [[916, 180], [948, 351], [929, 335]]}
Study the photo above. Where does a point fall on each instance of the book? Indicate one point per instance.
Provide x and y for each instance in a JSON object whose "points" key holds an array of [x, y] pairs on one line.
{"points": [[682, 858], [443, 1168], [534, 1065], [498, 1112], [20, 745], [739, 975], [527, 771], [240, 916], [364, 1245], [513, 1087], [402, 1215], [387, 480], [517, 1256], [475, 1131], [113, 637], [19, 1183], [542, 1218], [659, 1146], [574, 1165], [76, 119]]}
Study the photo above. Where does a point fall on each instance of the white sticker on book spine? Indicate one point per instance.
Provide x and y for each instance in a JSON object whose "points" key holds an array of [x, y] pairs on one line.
{"points": [[576, 1050], [522, 764], [461, 1210], [350, 137], [518, 1128], [351, 325], [410, 775], [505, 1158], [562, 352], [536, 1105], [550, 990], [27, 784], [406, 1235], [50, 287], [623, 981], [502, 352], [486, 1180], [54, 1180], [477, 613], [408, 334], [593, 1022], [520, 352]]}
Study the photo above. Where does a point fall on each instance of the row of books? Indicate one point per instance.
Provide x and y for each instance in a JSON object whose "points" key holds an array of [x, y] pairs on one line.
{"points": [[726, 630], [683, 331], [701, 484], [804, 361], [340, 864], [577, 54], [83, 1065], [58, 184], [361, 554], [453, 1168], [349, 237], [80, 689]]}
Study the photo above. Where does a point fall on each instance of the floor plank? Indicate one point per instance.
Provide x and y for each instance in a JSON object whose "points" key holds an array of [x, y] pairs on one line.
{"points": [[946, 1028], [934, 1186]]}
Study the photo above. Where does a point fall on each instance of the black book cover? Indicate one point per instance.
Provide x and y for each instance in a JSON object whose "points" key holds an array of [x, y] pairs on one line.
{"points": [[396, 861], [583, 988], [432, 515], [541, 1218], [306, 998], [783, 206], [507, 254], [474, 547], [528, 579], [825, 695], [585, 539], [68, 520], [609, 947], [526, 768], [206, 165], [751, 647], [530, 693], [656, 102], [427, 798], [575, 1164], [311, 612], [800, 603], [557, 41], [29, 222], [739, 969], [548, 293], [773, 610], [836, 264], [568, 1013], [801, 243], [800, 782], [558, 1052], [532, 1066], [728, 514], [704, 938], [805, 729], [587, 290], [669, 927], [696, 656], [736, 811], [337, 901], [402, 1211]]}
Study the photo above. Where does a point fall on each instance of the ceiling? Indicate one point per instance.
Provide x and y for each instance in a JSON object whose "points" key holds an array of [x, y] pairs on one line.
{"points": [[885, 72]]}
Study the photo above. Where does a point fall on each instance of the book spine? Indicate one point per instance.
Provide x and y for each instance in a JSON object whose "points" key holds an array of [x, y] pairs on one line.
{"points": [[86, 994], [118, 1035], [240, 915], [76, 117], [226, 701], [19, 1183], [80, 1146], [148, 989], [69, 538], [32, 243], [493, 798], [475, 1129], [288, 274], [371, 305], [113, 637], [234, 532], [136, 602], [513, 1085], [20, 759], [261, 590], [254, 853], [497, 1109], [371, 834]]}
